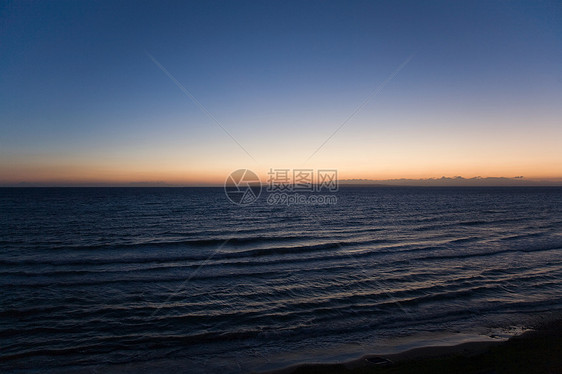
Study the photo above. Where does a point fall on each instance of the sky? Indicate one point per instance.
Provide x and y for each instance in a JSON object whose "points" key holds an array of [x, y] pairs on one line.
{"points": [[186, 92]]}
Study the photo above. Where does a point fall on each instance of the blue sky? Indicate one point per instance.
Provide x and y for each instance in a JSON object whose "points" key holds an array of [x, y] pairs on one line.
{"points": [[80, 100]]}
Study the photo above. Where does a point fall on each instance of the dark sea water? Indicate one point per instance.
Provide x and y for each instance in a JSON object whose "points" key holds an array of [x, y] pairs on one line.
{"points": [[112, 279]]}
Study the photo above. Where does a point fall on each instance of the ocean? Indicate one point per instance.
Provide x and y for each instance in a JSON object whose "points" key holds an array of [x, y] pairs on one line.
{"points": [[121, 279]]}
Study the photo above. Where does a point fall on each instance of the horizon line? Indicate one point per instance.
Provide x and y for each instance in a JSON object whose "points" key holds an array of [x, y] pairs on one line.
{"points": [[457, 181]]}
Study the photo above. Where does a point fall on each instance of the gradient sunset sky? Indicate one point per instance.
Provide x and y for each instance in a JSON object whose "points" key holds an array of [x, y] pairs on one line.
{"points": [[94, 91]]}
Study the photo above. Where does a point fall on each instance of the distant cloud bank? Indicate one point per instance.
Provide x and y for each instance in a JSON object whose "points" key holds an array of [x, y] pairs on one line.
{"points": [[453, 181]]}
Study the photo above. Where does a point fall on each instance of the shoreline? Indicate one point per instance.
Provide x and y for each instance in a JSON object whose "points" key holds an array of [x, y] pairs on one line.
{"points": [[534, 351]]}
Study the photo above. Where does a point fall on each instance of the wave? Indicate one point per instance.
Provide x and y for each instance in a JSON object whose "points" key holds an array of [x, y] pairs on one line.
{"points": [[429, 254]]}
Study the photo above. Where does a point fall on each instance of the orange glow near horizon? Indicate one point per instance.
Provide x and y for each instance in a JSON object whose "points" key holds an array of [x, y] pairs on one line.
{"points": [[76, 175], [359, 151]]}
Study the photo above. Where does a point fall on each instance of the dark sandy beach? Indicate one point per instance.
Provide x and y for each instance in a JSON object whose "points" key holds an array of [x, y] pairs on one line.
{"points": [[536, 351]]}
